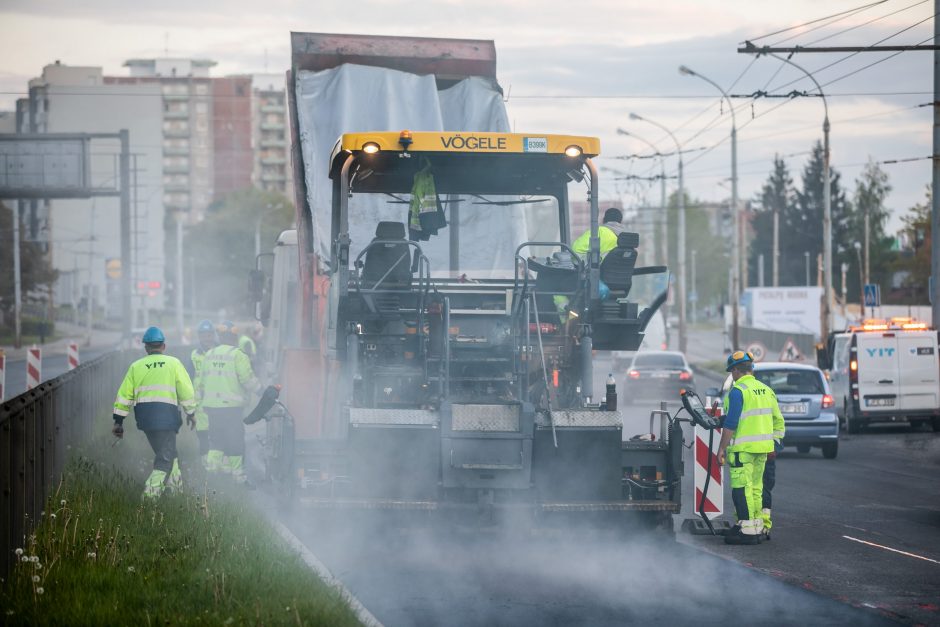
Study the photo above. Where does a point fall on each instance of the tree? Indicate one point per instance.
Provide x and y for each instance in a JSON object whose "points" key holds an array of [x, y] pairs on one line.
{"points": [[802, 228], [914, 261], [712, 257], [871, 190], [221, 248], [777, 195], [35, 270]]}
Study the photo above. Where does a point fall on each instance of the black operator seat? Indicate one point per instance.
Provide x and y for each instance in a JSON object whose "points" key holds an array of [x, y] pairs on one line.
{"points": [[389, 260], [617, 266]]}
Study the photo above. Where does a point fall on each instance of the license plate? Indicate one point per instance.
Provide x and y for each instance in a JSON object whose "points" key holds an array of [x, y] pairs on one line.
{"points": [[879, 402], [793, 408], [660, 375]]}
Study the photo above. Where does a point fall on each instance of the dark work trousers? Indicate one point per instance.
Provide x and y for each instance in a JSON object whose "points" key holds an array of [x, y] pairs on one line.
{"points": [[770, 478], [226, 429], [163, 443]]}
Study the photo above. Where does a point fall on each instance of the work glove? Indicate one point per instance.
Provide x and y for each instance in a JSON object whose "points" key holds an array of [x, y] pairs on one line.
{"points": [[771, 456], [117, 430], [191, 421]]}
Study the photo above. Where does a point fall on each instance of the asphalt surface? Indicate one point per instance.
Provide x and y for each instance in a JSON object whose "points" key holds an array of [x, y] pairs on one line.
{"points": [[882, 489], [52, 366]]}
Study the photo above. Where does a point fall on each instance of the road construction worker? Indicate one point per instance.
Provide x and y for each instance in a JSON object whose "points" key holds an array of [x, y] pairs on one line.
{"points": [[747, 437], [207, 341], [226, 383], [156, 387], [248, 343], [770, 471], [607, 234]]}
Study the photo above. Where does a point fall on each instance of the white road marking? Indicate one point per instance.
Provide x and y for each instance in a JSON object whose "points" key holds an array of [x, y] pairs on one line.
{"points": [[888, 548]]}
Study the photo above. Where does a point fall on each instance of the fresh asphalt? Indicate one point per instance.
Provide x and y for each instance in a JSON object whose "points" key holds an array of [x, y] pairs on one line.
{"points": [[818, 569]]}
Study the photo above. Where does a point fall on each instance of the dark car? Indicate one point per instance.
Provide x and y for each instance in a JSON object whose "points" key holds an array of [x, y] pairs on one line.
{"points": [[806, 404], [658, 375]]}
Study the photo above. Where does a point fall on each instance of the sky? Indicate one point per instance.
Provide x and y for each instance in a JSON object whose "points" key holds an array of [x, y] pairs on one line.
{"points": [[575, 67]]}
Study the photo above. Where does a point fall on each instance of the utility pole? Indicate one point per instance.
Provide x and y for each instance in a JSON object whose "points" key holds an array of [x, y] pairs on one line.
{"points": [[867, 244], [694, 288], [17, 278], [935, 190], [125, 166], [776, 251], [178, 291], [660, 226], [736, 258]]}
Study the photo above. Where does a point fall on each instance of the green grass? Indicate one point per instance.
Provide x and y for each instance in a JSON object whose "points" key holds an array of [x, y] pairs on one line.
{"points": [[105, 557]]}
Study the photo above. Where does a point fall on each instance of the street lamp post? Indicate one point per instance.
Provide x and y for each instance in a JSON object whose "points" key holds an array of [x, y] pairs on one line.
{"points": [[735, 213], [661, 244], [827, 206], [806, 259], [680, 250], [861, 278]]}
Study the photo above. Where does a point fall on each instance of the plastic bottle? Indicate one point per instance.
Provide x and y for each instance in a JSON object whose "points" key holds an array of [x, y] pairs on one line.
{"points": [[611, 393]]}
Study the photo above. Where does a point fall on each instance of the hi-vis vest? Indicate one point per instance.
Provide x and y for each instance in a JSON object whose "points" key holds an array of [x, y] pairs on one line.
{"points": [[607, 238], [755, 431], [155, 386], [226, 378]]}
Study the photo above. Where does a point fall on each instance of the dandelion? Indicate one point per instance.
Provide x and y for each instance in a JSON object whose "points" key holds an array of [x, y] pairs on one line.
{"points": [[39, 590], [52, 516], [92, 555], [34, 558], [18, 552], [130, 569], [35, 578], [62, 502], [38, 565]]}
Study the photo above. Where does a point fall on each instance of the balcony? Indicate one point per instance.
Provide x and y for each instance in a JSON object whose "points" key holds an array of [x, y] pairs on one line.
{"points": [[272, 126], [175, 150], [272, 108], [271, 142], [270, 177], [274, 160], [176, 132], [176, 187], [176, 96], [177, 114], [176, 169]]}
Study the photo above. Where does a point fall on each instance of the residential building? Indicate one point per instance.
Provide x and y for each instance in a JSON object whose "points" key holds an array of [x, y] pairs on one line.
{"points": [[270, 132]]}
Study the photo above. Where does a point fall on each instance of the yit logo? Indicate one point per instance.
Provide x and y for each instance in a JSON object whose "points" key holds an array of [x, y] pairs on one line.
{"points": [[156, 364], [880, 352], [218, 364]]}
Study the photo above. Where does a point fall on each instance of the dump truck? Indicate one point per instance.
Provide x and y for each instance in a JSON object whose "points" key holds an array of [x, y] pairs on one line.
{"points": [[429, 323]]}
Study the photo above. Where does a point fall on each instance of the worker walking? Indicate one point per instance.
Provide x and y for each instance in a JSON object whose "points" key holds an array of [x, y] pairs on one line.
{"points": [[747, 437], [226, 383], [207, 341], [156, 387]]}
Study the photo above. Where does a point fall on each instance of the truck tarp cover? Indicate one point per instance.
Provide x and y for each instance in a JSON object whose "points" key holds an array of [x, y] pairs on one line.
{"points": [[355, 98]]}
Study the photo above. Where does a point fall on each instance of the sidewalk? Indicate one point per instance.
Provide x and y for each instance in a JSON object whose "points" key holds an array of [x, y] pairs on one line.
{"points": [[70, 333]]}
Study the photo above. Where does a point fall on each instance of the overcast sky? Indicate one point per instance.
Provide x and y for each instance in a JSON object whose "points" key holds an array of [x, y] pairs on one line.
{"points": [[578, 67]]}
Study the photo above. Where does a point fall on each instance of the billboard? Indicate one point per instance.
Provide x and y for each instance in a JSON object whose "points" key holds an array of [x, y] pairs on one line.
{"points": [[785, 309], [47, 166]]}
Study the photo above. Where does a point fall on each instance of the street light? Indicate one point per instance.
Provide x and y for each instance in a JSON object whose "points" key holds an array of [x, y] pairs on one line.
{"points": [[680, 246], [827, 205], [806, 258], [861, 281], [736, 238], [661, 254]]}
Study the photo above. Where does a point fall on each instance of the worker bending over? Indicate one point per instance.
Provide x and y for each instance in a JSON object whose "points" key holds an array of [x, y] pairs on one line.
{"points": [[207, 341], [747, 437], [226, 383], [156, 386]]}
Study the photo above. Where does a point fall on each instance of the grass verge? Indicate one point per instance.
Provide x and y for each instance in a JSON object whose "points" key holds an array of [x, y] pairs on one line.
{"points": [[101, 556]]}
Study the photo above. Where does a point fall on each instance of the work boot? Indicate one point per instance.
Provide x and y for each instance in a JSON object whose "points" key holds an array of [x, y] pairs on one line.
{"points": [[175, 479], [214, 460], [154, 485], [736, 535], [765, 518]]}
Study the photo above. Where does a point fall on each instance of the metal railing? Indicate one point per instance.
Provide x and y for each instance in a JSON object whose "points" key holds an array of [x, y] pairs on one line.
{"points": [[37, 429]]}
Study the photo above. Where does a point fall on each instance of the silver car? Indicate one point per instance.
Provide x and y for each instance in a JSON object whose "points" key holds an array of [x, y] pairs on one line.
{"points": [[806, 403]]}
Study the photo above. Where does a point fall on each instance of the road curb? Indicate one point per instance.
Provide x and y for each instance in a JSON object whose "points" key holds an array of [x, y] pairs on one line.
{"points": [[365, 616]]}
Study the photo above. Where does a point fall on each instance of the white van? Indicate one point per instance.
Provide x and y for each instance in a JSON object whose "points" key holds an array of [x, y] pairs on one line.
{"points": [[884, 371]]}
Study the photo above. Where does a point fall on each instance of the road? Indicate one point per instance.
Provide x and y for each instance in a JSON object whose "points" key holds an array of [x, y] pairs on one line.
{"points": [[817, 570], [52, 366]]}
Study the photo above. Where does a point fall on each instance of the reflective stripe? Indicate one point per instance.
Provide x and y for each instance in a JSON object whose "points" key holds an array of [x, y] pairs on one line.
{"points": [[121, 412], [753, 438], [760, 411], [123, 401], [778, 435], [155, 388], [741, 385], [157, 399]]}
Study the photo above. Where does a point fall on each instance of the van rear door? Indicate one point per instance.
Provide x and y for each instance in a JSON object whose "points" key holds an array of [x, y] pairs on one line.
{"points": [[920, 375], [878, 375]]}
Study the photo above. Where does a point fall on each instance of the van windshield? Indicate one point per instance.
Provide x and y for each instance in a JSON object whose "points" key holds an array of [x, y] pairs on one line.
{"points": [[787, 381]]}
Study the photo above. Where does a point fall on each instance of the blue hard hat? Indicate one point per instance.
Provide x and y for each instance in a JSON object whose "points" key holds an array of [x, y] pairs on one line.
{"points": [[153, 335], [737, 358], [226, 326], [206, 326]]}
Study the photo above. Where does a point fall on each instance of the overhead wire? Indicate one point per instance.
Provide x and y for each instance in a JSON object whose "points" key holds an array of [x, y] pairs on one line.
{"points": [[851, 13], [863, 24], [820, 19]]}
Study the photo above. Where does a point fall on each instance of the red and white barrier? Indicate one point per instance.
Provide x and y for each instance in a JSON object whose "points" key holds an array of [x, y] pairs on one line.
{"points": [[3, 376], [714, 499], [73, 355], [33, 367]]}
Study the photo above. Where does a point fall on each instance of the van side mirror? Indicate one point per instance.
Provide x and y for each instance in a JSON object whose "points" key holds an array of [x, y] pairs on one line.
{"points": [[823, 357], [256, 286]]}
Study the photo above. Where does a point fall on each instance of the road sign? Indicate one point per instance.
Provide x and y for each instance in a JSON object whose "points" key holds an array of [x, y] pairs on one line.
{"points": [[33, 367], [113, 268], [790, 352], [872, 295], [714, 498], [73, 355], [758, 350]]}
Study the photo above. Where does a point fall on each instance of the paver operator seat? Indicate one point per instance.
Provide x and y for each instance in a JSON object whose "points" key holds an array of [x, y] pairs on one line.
{"points": [[388, 265], [618, 265]]}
